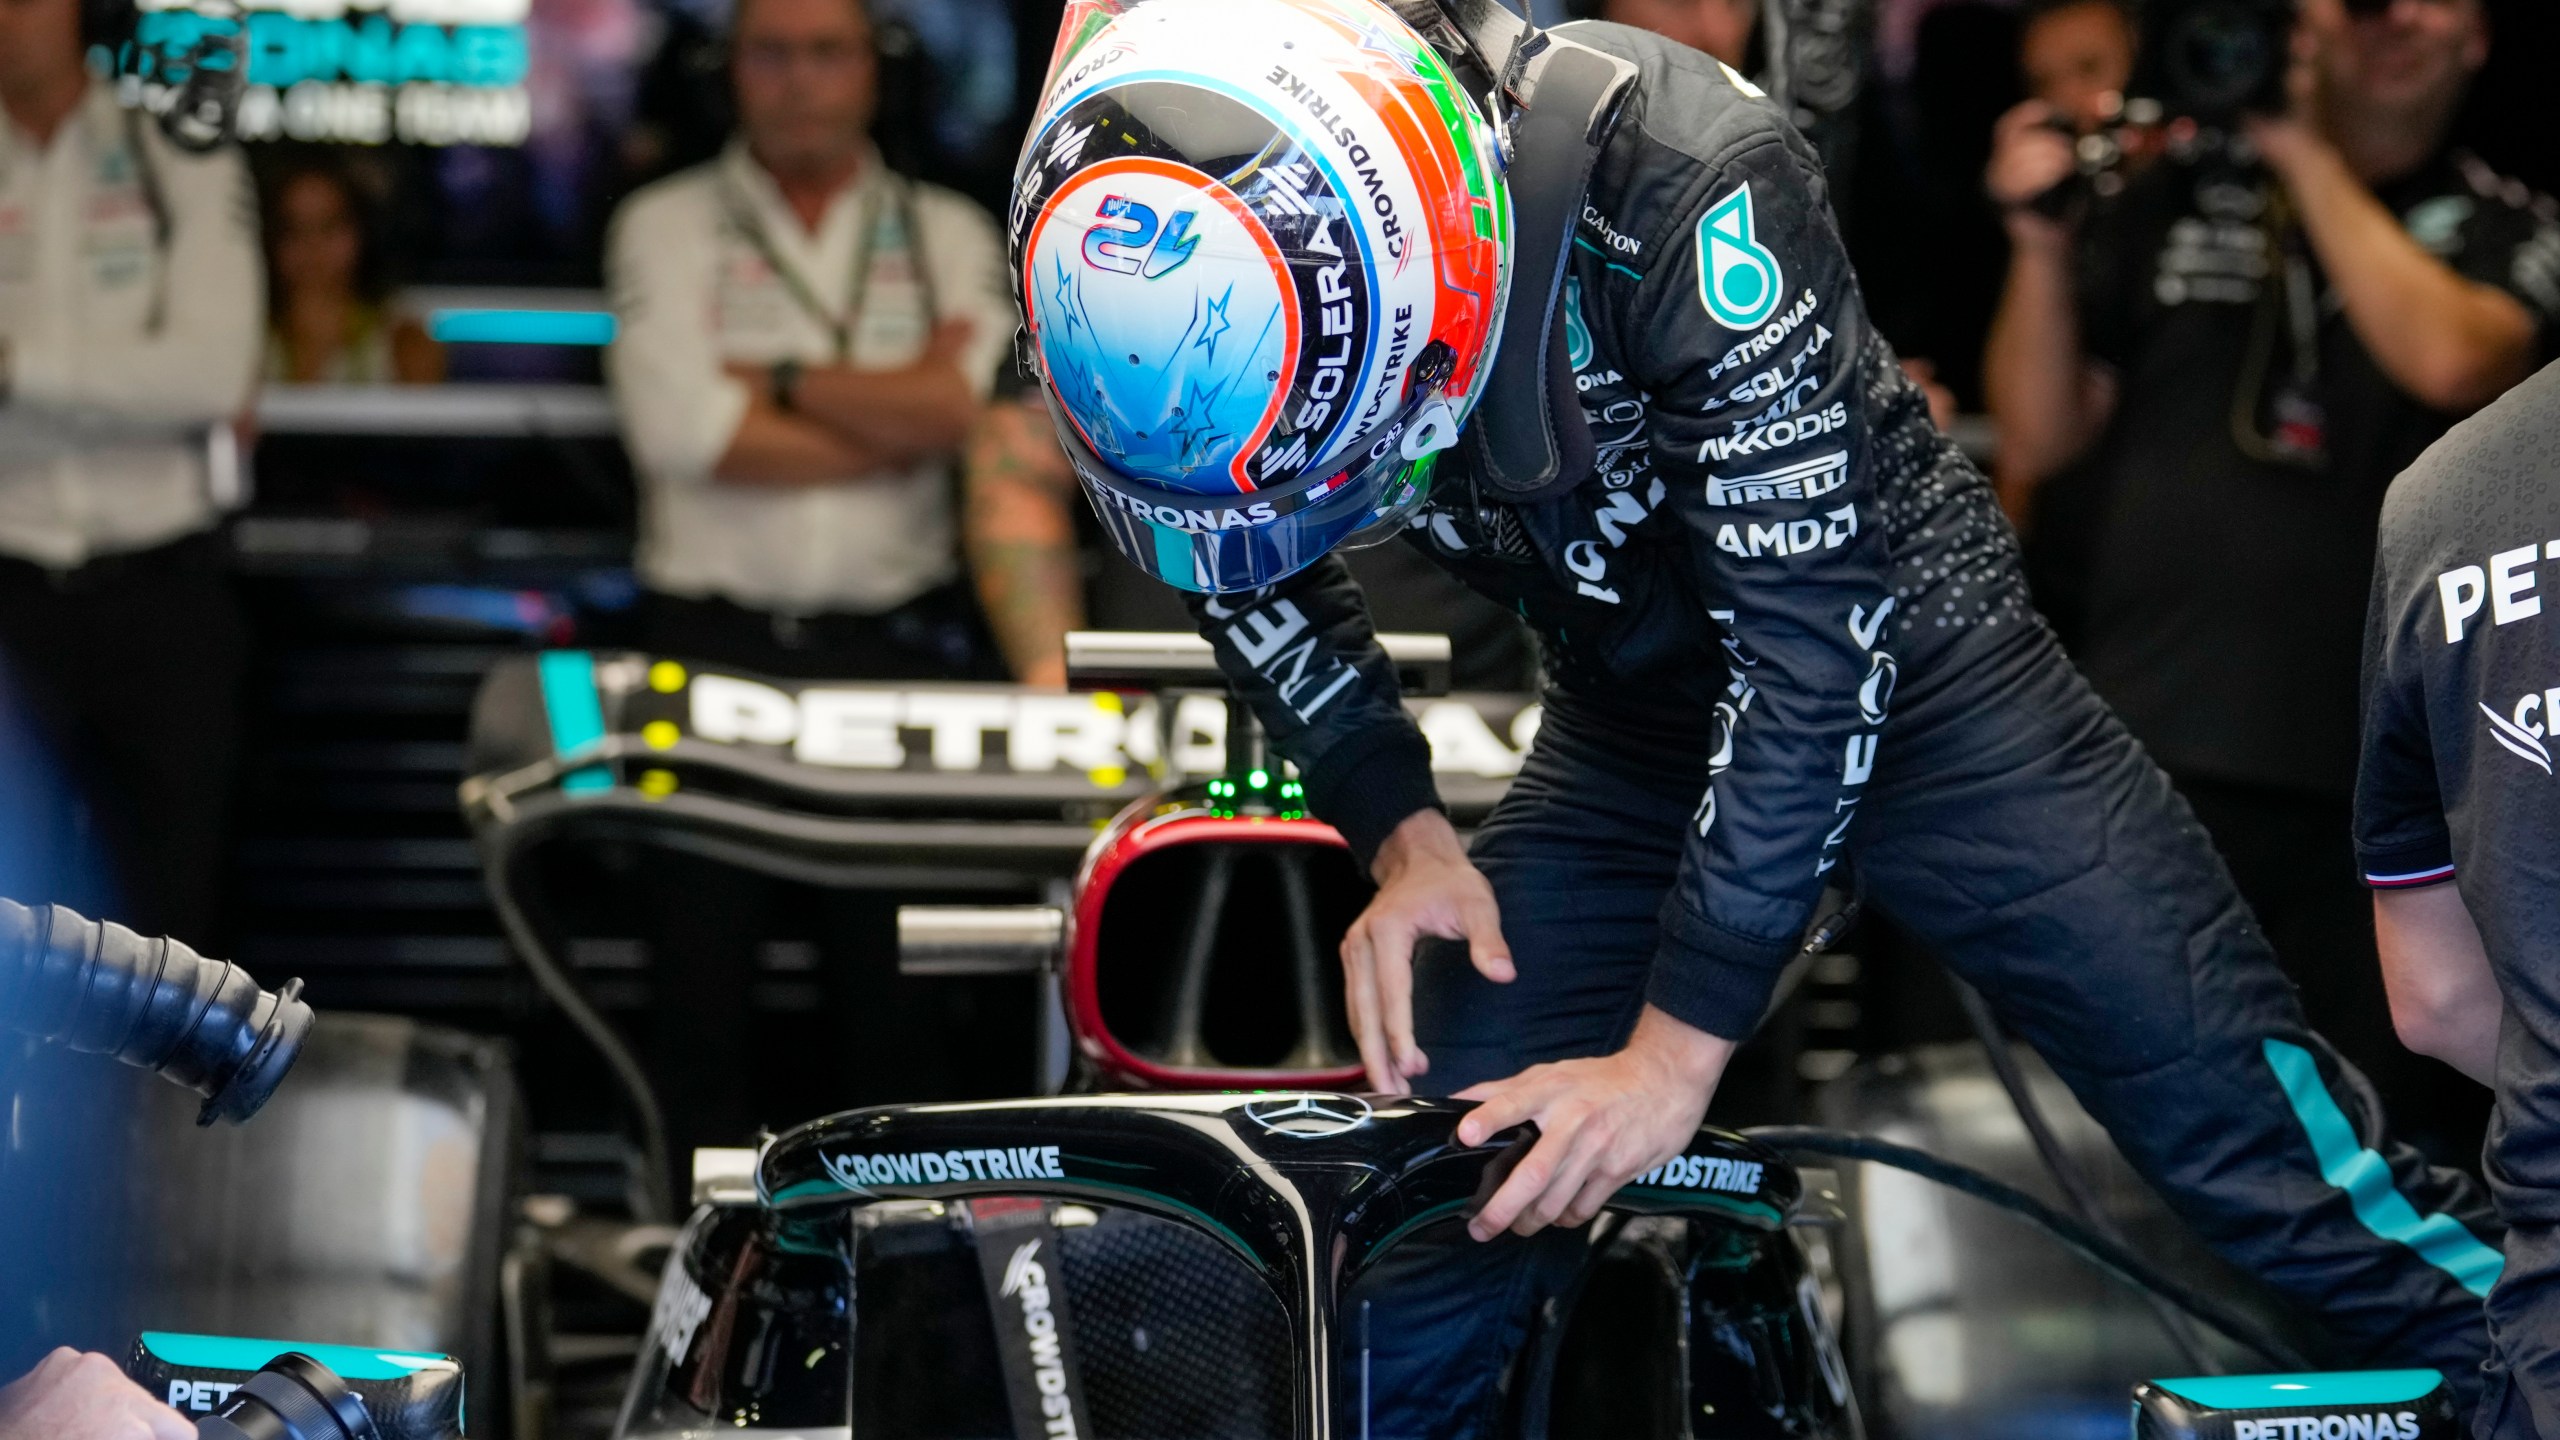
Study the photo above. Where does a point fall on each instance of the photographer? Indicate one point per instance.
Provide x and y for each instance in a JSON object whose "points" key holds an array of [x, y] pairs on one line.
{"points": [[2075, 56], [2234, 356], [72, 1396]]}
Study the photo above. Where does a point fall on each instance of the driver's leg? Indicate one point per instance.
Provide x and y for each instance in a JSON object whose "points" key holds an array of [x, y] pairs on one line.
{"points": [[1580, 853], [2017, 828]]}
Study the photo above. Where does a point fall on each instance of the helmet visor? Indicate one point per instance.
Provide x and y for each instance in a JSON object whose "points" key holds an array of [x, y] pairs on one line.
{"points": [[1220, 544]]}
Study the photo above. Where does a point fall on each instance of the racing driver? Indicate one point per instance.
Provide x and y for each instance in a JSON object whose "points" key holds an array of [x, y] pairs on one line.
{"points": [[1567, 310]]}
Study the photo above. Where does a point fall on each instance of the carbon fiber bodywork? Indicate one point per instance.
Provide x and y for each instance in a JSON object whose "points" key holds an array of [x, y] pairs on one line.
{"points": [[1209, 1248]]}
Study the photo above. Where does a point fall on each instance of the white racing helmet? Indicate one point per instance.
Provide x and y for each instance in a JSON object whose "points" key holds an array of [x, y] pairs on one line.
{"points": [[1263, 250]]}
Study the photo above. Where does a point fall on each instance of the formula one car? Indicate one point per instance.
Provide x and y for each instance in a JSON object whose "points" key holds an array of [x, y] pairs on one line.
{"points": [[1174, 1262]]}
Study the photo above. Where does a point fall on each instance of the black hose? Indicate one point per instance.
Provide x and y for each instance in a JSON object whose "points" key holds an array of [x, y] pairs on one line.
{"points": [[510, 826], [2108, 1255], [101, 989], [505, 851], [2057, 1163]]}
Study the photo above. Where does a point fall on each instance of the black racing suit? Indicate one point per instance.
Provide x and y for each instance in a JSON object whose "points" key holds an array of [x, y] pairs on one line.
{"points": [[1777, 551]]}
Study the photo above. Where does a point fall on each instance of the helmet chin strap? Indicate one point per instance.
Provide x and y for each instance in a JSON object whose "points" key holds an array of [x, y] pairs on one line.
{"points": [[1560, 103]]}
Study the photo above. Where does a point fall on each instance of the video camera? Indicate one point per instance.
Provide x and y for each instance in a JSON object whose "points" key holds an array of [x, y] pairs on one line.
{"points": [[2211, 63], [2214, 61]]}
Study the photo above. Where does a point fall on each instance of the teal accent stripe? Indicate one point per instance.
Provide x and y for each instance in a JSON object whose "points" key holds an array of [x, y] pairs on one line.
{"points": [[223, 1352], [1173, 554], [1751, 1210], [577, 715], [1603, 254], [2348, 1164], [521, 327], [2273, 1392]]}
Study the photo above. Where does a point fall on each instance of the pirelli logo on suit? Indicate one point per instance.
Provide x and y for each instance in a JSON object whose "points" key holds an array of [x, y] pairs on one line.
{"points": [[1804, 480]]}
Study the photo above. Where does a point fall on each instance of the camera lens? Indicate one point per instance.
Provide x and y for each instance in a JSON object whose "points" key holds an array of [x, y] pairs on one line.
{"points": [[2220, 56], [294, 1398]]}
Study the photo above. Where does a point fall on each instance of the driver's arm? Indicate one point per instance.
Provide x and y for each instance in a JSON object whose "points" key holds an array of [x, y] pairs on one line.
{"points": [[1761, 436], [1304, 655]]}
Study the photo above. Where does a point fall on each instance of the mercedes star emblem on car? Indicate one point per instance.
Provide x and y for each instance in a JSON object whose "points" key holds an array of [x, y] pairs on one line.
{"points": [[1310, 1117]]}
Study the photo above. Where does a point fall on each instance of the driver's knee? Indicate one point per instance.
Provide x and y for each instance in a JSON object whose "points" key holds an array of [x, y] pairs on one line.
{"points": [[1430, 1330]]}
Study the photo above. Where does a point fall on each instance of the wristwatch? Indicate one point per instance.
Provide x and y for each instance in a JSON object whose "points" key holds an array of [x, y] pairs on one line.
{"points": [[785, 378]]}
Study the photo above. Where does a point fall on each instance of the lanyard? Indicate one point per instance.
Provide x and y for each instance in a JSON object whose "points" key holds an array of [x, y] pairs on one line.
{"points": [[2288, 301], [840, 328], [155, 199]]}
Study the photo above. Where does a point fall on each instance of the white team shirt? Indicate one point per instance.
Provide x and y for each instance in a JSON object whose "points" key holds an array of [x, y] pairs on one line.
{"points": [[693, 290], [104, 431]]}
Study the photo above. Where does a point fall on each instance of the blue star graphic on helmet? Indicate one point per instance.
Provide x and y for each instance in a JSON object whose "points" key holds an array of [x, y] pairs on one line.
{"points": [[1214, 316], [1069, 298], [1196, 427]]}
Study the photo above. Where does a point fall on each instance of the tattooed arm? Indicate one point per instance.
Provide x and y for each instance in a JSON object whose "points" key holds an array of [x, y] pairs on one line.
{"points": [[1018, 521]]}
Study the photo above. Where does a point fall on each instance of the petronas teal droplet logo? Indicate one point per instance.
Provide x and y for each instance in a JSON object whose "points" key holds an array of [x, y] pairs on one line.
{"points": [[1737, 276], [1577, 335]]}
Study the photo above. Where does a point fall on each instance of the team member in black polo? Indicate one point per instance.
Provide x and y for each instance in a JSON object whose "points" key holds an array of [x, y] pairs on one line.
{"points": [[2458, 830], [2239, 353]]}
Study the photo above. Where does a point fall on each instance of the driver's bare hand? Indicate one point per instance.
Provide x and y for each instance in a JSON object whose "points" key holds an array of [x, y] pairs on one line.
{"points": [[72, 1396], [1601, 1123], [1426, 887]]}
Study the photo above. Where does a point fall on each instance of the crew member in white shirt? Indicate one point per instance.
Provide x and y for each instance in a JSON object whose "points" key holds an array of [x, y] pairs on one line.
{"points": [[130, 319], [806, 338]]}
